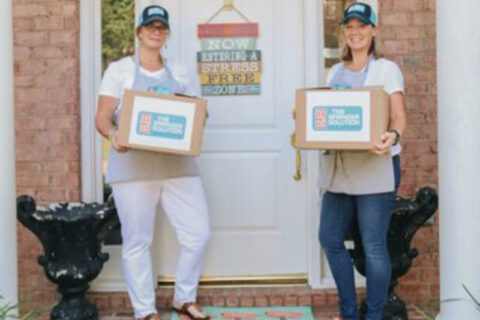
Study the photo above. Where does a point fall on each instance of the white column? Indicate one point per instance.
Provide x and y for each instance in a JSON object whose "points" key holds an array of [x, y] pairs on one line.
{"points": [[8, 228], [458, 72]]}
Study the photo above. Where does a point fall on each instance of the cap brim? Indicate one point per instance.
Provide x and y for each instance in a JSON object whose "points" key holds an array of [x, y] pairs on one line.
{"points": [[155, 18], [356, 16]]}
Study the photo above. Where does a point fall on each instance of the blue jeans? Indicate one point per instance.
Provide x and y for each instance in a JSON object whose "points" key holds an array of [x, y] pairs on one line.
{"points": [[373, 212]]}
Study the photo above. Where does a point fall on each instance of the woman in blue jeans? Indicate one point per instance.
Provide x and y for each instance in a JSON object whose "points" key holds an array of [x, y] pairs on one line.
{"points": [[362, 184]]}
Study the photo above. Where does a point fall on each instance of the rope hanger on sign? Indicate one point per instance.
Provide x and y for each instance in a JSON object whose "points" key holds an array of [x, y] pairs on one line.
{"points": [[227, 6]]}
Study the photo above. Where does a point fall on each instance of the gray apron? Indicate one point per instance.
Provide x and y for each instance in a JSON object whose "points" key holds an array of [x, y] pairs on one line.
{"points": [[139, 165], [355, 172]]}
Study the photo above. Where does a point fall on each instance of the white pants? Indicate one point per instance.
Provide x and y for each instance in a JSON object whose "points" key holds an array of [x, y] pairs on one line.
{"points": [[184, 203]]}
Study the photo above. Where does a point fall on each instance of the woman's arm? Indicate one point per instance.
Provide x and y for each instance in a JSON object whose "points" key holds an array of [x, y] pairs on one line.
{"points": [[104, 119], [398, 122]]}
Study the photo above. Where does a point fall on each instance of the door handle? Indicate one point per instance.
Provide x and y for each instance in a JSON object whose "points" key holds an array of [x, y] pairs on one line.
{"points": [[298, 159], [298, 156]]}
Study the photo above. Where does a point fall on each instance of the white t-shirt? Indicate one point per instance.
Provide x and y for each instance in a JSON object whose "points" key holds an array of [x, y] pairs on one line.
{"points": [[120, 76], [381, 72]]}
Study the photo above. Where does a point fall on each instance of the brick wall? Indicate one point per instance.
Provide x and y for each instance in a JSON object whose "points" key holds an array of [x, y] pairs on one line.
{"points": [[47, 119], [407, 36], [48, 137]]}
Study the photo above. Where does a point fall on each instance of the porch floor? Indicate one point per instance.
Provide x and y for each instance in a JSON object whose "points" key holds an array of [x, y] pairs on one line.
{"points": [[319, 313]]}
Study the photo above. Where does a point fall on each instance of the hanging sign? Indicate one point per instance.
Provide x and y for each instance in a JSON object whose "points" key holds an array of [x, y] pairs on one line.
{"points": [[229, 62]]}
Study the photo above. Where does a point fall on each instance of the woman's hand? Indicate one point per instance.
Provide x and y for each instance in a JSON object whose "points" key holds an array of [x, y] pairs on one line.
{"points": [[113, 135], [387, 140], [103, 122]]}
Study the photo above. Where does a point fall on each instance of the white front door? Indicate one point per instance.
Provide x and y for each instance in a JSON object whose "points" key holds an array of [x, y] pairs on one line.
{"points": [[258, 212], [264, 223]]}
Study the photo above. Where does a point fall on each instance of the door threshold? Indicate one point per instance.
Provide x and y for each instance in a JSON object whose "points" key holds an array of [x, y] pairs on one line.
{"points": [[245, 281]]}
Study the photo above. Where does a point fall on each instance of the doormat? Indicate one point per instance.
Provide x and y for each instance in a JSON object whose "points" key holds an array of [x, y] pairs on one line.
{"points": [[271, 313]]}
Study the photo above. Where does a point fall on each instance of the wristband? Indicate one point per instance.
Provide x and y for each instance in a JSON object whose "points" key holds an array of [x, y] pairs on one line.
{"points": [[397, 136]]}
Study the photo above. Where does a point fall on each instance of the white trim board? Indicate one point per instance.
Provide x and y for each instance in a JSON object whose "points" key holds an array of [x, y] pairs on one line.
{"points": [[90, 76]]}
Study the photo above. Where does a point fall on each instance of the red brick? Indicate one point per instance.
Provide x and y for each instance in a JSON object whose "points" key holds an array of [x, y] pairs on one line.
{"points": [[424, 18], [71, 23], [30, 95], [116, 302], [261, 301], [319, 299], [70, 9], [49, 23], [218, 301], [407, 5], [247, 302], [291, 300], [332, 298], [31, 38], [63, 37], [305, 299], [63, 66], [411, 33], [29, 10], [21, 52], [24, 81], [33, 181], [430, 5], [395, 46], [396, 19], [233, 301], [47, 52], [30, 67], [204, 300], [276, 300], [23, 24]]}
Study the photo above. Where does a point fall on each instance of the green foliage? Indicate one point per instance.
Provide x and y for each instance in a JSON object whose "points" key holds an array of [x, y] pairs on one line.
{"points": [[118, 24], [475, 300], [425, 315], [8, 311]]}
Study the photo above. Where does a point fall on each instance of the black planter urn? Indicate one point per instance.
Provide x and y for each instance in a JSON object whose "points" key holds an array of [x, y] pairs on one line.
{"points": [[71, 235], [407, 217]]}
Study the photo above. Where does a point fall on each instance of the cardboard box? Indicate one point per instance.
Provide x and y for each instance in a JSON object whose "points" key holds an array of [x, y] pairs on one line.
{"points": [[340, 119], [163, 123]]}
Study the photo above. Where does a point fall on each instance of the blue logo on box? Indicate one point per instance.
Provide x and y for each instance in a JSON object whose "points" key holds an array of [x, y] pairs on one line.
{"points": [[338, 118], [161, 125]]}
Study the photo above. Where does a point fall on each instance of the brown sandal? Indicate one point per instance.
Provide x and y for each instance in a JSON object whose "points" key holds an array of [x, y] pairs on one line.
{"points": [[152, 316], [184, 310]]}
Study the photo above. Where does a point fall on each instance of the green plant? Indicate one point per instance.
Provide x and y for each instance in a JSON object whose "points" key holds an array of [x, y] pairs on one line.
{"points": [[423, 313], [477, 303], [10, 311], [118, 27]]}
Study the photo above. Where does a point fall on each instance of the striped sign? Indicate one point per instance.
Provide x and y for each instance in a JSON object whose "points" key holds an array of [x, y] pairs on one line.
{"points": [[229, 56], [230, 90], [225, 30], [229, 67], [215, 44], [230, 78]]}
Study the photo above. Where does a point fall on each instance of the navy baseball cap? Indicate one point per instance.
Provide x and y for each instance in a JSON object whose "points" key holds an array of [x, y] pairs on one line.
{"points": [[362, 12], [154, 13]]}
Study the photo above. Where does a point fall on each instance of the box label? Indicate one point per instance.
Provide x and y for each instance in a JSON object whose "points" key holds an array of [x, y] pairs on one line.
{"points": [[338, 118], [161, 125]]}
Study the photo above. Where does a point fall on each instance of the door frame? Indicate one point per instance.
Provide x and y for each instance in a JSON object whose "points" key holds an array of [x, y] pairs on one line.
{"points": [[91, 143]]}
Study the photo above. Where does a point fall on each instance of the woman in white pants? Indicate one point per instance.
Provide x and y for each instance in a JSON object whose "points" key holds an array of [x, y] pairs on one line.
{"points": [[142, 179]]}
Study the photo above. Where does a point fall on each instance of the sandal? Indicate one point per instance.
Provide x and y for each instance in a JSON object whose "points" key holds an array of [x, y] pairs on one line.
{"points": [[186, 309], [152, 316]]}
